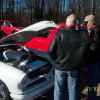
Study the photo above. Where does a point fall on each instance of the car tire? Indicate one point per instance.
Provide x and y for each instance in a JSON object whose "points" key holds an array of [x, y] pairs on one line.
{"points": [[4, 92]]}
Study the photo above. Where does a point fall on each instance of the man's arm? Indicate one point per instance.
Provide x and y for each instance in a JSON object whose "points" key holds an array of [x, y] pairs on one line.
{"points": [[53, 48]]}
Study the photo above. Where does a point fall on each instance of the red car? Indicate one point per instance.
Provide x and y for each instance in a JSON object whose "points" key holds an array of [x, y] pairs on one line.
{"points": [[44, 40], [38, 36], [9, 27]]}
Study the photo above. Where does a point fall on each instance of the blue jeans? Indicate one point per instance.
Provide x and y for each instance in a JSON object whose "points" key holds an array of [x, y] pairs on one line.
{"points": [[61, 79], [93, 79]]}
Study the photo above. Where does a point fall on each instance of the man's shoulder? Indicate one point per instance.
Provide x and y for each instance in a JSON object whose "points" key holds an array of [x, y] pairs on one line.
{"points": [[64, 30], [67, 31], [61, 31]]}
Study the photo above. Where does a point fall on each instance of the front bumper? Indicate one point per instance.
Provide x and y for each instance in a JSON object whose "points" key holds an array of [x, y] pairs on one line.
{"points": [[34, 93]]}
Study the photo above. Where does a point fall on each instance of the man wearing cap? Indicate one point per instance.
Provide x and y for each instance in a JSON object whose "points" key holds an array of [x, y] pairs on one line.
{"points": [[92, 35], [93, 60], [90, 24], [68, 52]]}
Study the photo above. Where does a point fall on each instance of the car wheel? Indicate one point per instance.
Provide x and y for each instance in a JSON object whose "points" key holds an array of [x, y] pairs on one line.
{"points": [[4, 93]]}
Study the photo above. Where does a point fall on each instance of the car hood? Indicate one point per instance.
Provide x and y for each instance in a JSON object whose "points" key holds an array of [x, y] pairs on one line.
{"points": [[29, 32]]}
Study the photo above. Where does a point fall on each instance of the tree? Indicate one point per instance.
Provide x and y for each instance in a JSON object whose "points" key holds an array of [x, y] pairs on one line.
{"points": [[56, 10]]}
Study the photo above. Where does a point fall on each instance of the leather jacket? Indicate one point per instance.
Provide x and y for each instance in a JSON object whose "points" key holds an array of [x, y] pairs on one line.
{"points": [[93, 51], [68, 49]]}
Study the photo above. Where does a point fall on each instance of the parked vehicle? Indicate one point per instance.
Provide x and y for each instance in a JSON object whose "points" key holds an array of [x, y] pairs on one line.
{"points": [[43, 41], [25, 73], [9, 27], [39, 35]]}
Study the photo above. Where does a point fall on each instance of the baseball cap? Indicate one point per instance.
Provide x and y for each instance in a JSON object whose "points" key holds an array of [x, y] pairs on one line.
{"points": [[89, 18]]}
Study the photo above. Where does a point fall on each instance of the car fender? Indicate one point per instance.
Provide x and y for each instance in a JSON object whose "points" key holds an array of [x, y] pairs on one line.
{"points": [[11, 77]]}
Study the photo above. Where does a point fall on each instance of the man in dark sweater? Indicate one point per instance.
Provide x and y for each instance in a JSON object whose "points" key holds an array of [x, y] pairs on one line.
{"points": [[68, 52]]}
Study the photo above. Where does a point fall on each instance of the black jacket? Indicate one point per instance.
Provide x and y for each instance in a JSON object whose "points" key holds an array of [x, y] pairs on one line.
{"points": [[68, 49], [93, 51]]}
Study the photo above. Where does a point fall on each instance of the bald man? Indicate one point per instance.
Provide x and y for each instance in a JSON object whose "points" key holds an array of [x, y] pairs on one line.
{"points": [[68, 51]]}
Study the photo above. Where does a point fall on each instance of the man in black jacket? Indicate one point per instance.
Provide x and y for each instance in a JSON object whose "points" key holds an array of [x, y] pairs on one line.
{"points": [[93, 61], [68, 52]]}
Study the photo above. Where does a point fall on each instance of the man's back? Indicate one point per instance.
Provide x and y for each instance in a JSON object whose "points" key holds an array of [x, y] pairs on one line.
{"points": [[70, 49]]}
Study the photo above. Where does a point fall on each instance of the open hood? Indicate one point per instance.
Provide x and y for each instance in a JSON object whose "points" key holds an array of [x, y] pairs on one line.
{"points": [[29, 32]]}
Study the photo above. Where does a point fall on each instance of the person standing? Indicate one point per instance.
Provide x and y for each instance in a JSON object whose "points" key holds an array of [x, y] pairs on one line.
{"points": [[93, 61], [67, 51]]}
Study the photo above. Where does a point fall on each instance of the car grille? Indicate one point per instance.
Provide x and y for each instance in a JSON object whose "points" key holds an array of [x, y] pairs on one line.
{"points": [[40, 71], [38, 77], [39, 81]]}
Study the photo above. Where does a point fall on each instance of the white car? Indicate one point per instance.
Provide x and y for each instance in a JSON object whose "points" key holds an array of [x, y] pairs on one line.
{"points": [[24, 73]]}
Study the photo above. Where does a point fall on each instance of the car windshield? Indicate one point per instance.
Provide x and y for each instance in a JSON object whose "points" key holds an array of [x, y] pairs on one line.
{"points": [[16, 24], [1, 22]]}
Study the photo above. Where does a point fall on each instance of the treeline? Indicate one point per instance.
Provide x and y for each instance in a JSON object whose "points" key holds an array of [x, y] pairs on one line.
{"points": [[30, 11]]}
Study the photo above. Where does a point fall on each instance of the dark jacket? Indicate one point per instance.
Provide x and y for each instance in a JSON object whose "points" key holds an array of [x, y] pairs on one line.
{"points": [[93, 51], [68, 49]]}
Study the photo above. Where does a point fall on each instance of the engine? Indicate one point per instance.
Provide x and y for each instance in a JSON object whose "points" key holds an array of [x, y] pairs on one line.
{"points": [[17, 58], [25, 59]]}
